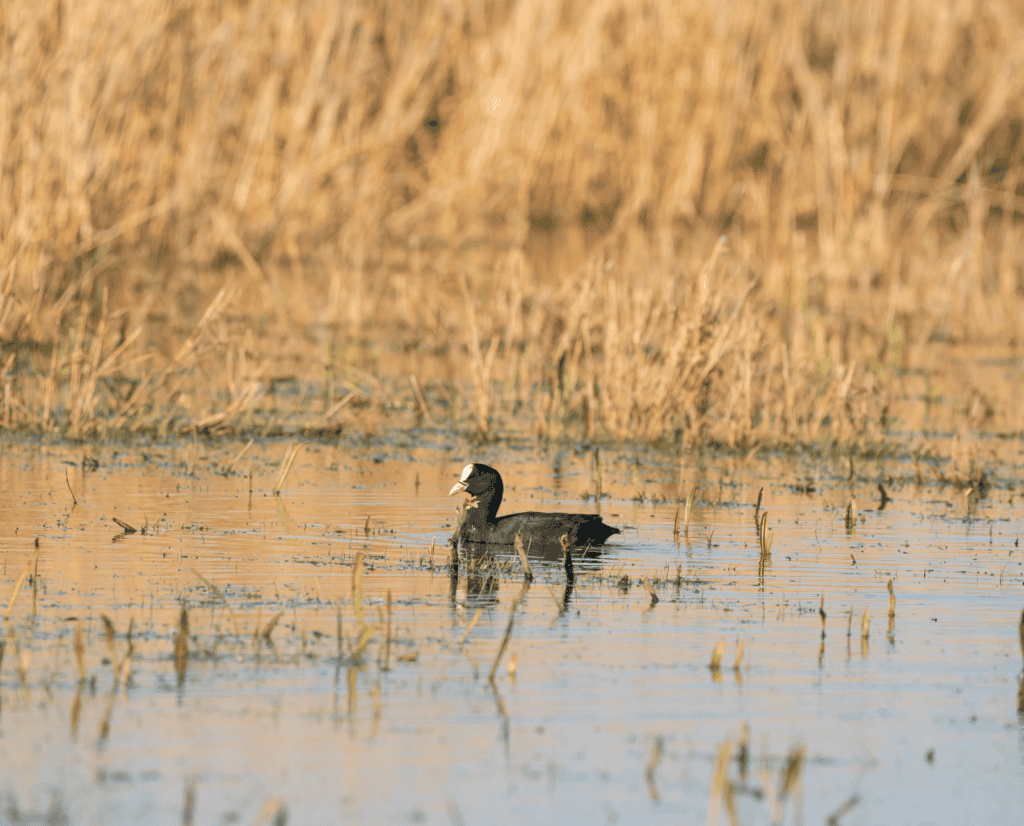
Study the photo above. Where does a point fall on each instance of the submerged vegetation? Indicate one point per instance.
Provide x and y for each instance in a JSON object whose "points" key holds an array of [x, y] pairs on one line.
{"points": [[741, 224]]}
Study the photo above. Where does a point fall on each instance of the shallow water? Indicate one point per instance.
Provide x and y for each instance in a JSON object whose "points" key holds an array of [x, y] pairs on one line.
{"points": [[611, 713]]}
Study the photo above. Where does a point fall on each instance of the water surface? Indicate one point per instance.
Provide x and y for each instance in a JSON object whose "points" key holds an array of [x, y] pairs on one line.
{"points": [[611, 713]]}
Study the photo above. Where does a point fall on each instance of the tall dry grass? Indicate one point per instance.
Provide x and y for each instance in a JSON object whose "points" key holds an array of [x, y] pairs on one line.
{"points": [[520, 205]]}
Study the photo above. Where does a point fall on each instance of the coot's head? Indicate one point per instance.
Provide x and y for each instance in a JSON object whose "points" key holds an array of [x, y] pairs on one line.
{"points": [[483, 483]]}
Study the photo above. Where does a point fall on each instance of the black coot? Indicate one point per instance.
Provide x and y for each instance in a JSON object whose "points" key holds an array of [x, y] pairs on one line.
{"points": [[483, 525]]}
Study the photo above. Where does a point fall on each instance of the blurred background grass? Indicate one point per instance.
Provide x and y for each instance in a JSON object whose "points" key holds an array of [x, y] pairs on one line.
{"points": [[778, 223]]}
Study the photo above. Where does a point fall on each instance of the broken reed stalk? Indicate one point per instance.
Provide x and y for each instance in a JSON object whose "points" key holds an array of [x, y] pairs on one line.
{"points": [[821, 613], [181, 646], [865, 624], [597, 475], [506, 638], [790, 777], [79, 647], [21, 659], [851, 514], [337, 629], [675, 526], [844, 808], [527, 571], [387, 639], [357, 587], [67, 479], [110, 635], [286, 465], [357, 602], [570, 573], [123, 669], [757, 508], [1020, 686], [461, 513], [188, 808], [14, 595], [1020, 632], [716, 657], [268, 629], [892, 600], [764, 536], [453, 560], [128, 529], [35, 578], [885, 497], [657, 750], [722, 791]]}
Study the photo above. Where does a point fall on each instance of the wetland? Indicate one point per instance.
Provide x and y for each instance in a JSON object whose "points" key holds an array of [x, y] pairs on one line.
{"points": [[334, 668], [747, 283]]}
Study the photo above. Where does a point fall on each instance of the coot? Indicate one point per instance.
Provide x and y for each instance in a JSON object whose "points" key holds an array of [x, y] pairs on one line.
{"points": [[483, 525]]}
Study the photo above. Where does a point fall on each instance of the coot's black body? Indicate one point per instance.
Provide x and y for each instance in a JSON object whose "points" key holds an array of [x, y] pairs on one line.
{"points": [[538, 530]]}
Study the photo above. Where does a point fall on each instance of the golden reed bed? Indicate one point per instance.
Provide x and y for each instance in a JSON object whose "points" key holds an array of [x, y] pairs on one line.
{"points": [[776, 224]]}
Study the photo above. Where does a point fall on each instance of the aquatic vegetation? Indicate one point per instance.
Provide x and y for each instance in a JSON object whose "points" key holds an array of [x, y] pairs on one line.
{"points": [[277, 220]]}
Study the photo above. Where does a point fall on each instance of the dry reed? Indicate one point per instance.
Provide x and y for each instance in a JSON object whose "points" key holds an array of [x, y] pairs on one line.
{"points": [[35, 576], [715, 226], [722, 790], [657, 751], [15, 592], [79, 648], [850, 518], [181, 646], [523, 559], [716, 658], [286, 466]]}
